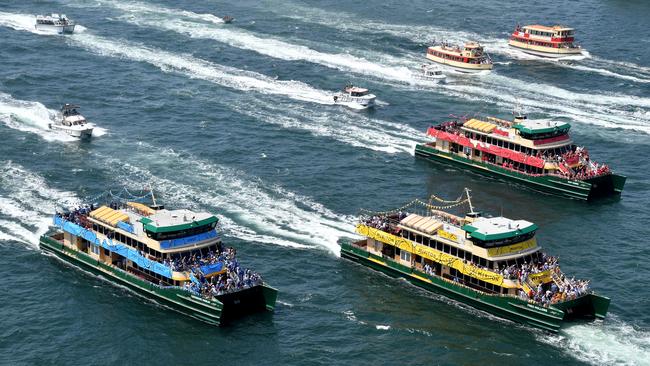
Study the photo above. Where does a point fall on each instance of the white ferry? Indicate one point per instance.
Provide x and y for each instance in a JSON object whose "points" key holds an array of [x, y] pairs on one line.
{"points": [[355, 97], [73, 123], [539, 40], [472, 58], [61, 24]]}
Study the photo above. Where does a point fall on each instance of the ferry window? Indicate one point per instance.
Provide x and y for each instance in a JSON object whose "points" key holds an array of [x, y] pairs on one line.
{"points": [[418, 238], [511, 146], [454, 251], [489, 140], [477, 153], [405, 256], [446, 248], [106, 252]]}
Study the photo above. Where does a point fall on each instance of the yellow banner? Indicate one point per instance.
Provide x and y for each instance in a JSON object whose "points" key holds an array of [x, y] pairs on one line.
{"points": [[496, 252], [431, 254], [447, 235], [541, 277]]}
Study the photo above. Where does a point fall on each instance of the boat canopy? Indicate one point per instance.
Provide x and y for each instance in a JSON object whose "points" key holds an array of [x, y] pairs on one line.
{"points": [[142, 209], [427, 225], [532, 127], [479, 125], [109, 215]]}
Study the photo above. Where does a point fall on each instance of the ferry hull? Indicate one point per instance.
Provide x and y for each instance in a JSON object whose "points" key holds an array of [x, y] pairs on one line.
{"points": [[517, 310], [545, 51], [460, 66], [212, 312], [605, 185]]}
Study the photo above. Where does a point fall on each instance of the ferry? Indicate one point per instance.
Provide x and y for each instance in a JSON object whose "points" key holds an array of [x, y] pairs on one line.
{"points": [[471, 58], [173, 257], [430, 73], [491, 263], [355, 97], [61, 24], [73, 123], [537, 153], [539, 40]]}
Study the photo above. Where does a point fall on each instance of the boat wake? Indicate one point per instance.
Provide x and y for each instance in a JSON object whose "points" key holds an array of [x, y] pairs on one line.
{"points": [[496, 44], [197, 68], [613, 342], [248, 208], [27, 204], [347, 127], [612, 111], [34, 117]]}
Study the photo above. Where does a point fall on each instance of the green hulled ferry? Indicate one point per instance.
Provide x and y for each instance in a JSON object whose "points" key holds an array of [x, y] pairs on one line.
{"points": [[491, 263], [535, 153], [174, 257]]}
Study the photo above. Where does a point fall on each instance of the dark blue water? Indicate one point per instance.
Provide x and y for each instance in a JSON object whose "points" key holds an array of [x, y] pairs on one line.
{"points": [[236, 120]]}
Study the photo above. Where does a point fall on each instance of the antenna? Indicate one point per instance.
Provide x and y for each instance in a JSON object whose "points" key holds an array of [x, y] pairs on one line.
{"points": [[469, 200], [153, 198]]}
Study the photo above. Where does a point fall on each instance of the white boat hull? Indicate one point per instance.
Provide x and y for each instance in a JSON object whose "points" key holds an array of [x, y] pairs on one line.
{"points": [[59, 29], [354, 103], [78, 132]]}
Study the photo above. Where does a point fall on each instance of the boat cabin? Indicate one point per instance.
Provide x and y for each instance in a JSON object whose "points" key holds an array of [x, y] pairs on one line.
{"points": [[355, 91]]}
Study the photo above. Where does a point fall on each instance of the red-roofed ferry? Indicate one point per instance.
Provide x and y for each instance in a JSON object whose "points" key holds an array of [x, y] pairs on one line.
{"points": [[539, 40], [538, 153]]}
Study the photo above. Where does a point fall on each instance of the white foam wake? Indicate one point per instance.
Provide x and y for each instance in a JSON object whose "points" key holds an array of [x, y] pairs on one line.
{"points": [[351, 128], [426, 34], [198, 68], [605, 110], [613, 342], [249, 210], [27, 209]]}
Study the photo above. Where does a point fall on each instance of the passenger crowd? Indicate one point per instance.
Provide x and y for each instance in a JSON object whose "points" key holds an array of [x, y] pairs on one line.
{"points": [[567, 289], [76, 215], [234, 278]]}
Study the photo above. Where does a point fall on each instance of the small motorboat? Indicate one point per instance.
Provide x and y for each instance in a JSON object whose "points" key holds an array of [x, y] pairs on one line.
{"points": [[430, 72], [61, 24], [355, 97], [227, 19], [72, 122]]}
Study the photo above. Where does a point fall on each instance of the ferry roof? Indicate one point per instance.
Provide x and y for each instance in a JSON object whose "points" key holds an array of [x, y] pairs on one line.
{"points": [[531, 126], [495, 228], [427, 225], [554, 28], [174, 220]]}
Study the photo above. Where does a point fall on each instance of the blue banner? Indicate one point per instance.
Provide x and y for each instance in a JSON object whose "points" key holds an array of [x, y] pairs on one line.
{"points": [[116, 247]]}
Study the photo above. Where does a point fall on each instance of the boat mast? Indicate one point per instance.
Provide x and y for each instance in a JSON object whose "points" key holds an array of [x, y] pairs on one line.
{"points": [[469, 201], [153, 198]]}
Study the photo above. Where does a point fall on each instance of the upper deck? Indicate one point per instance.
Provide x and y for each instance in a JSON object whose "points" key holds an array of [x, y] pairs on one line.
{"points": [[162, 230]]}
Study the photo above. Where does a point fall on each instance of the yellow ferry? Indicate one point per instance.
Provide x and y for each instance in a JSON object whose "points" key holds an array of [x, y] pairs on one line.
{"points": [[491, 263], [471, 58], [539, 40]]}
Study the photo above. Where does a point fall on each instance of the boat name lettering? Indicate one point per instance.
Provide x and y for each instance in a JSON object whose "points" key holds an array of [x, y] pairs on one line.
{"points": [[447, 235], [495, 252]]}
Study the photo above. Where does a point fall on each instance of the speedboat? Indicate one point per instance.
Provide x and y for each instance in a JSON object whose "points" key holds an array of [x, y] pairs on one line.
{"points": [[430, 72], [355, 97], [227, 19], [61, 24], [72, 122]]}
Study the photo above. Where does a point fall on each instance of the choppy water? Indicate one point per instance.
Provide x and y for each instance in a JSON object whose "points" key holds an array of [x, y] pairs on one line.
{"points": [[236, 119]]}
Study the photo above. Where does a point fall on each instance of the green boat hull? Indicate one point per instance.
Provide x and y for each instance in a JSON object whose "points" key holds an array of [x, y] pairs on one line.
{"points": [[214, 312], [604, 185], [551, 318]]}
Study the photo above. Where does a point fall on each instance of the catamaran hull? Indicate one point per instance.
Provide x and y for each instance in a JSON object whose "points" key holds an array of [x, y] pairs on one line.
{"points": [[228, 307], [517, 310], [605, 185]]}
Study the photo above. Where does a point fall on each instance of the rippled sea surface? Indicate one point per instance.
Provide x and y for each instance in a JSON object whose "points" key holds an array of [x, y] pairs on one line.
{"points": [[236, 120]]}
